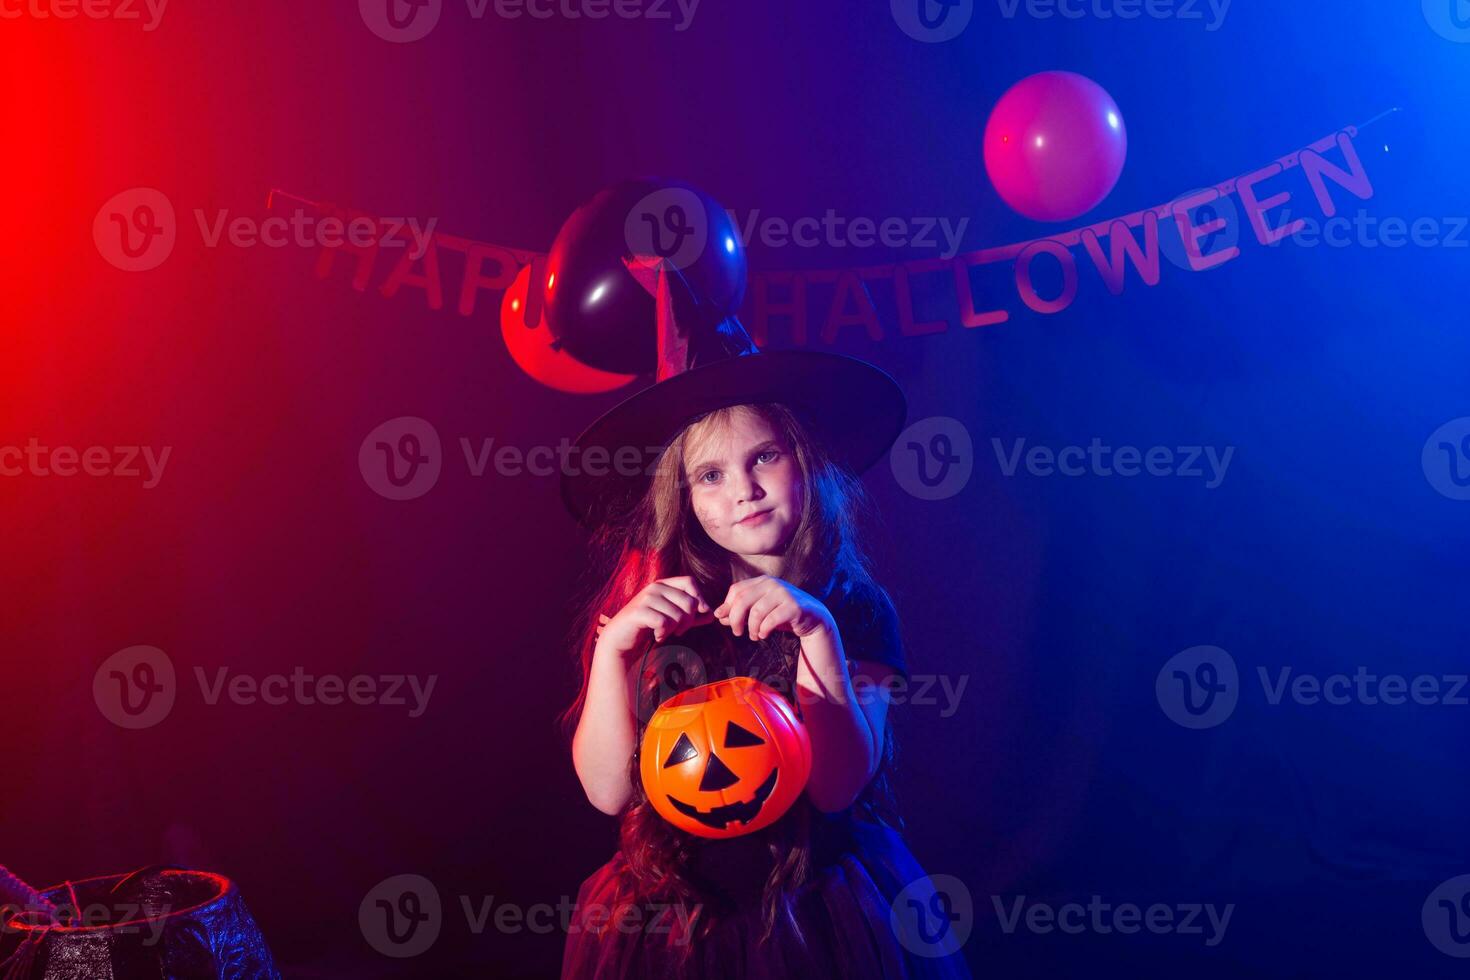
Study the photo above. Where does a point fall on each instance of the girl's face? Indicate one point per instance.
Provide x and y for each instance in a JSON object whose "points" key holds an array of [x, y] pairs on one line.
{"points": [[744, 483]]}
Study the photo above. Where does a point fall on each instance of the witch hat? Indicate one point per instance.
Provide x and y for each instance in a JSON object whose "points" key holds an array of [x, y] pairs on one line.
{"points": [[852, 407]]}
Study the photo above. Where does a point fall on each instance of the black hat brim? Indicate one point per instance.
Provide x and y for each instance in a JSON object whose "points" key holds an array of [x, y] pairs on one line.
{"points": [[856, 411]]}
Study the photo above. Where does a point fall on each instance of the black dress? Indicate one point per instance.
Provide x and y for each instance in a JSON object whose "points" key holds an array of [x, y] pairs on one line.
{"points": [[846, 910]]}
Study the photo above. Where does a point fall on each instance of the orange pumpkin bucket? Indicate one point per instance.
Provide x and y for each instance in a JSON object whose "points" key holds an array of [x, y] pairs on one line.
{"points": [[725, 759]]}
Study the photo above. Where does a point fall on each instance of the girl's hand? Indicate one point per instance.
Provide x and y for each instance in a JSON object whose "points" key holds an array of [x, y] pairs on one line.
{"points": [[666, 607], [762, 605]]}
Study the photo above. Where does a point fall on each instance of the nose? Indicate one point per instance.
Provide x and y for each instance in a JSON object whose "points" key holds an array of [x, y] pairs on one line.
{"points": [[747, 489]]}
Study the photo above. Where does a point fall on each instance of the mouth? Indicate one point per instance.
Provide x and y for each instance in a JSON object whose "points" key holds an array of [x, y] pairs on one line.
{"points": [[720, 816], [757, 518]]}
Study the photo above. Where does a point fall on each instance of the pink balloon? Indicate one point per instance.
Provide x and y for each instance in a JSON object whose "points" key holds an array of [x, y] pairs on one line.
{"points": [[1055, 145]]}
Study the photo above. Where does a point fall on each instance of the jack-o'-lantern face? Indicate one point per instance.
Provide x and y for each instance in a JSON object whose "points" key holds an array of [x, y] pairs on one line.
{"points": [[725, 759]]}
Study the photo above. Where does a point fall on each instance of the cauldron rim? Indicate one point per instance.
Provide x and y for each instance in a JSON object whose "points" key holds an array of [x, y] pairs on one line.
{"points": [[224, 886]]}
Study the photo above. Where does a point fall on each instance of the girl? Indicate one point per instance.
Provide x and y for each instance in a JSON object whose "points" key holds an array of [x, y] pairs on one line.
{"points": [[740, 551]]}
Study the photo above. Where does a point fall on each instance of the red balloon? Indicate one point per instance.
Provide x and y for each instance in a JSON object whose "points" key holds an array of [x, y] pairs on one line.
{"points": [[1055, 145], [531, 348]]}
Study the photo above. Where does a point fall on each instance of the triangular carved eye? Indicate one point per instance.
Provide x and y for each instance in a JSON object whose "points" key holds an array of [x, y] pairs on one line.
{"points": [[739, 738], [683, 751]]}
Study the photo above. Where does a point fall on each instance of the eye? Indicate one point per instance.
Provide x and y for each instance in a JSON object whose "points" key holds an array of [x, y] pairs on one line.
{"points": [[701, 477], [739, 738], [683, 751], [769, 452]]}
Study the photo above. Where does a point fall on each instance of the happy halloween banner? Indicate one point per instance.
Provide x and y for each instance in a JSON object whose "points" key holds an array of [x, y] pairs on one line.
{"points": [[803, 306]]}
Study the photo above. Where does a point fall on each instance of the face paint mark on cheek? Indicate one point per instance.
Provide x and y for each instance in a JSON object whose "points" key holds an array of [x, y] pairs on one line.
{"points": [[709, 521]]}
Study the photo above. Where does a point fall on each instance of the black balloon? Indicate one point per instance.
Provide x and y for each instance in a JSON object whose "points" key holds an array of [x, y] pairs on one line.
{"points": [[598, 312]]}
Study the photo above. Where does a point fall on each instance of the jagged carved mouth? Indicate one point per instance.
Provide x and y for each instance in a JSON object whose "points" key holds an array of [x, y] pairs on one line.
{"points": [[720, 816]]}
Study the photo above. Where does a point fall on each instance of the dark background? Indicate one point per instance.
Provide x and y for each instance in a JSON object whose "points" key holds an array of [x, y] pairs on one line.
{"points": [[1059, 776]]}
